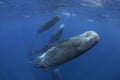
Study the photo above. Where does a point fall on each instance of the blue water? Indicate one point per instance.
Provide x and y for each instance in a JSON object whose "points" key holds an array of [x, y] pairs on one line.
{"points": [[20, 19]]}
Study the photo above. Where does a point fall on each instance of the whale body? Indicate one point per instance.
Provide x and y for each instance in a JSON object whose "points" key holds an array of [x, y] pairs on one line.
{"points": [[52, 41], [56, 35], [49, 24], [67, 50]]}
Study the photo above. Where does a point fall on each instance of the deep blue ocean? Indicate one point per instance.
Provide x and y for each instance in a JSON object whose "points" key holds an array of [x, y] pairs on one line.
{"points": [[20, 19]]}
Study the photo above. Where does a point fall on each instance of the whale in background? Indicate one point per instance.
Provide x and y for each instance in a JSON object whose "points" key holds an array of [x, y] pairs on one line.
{"points": [[66, 50], [49, 24], [56, 35], [52, 41]]}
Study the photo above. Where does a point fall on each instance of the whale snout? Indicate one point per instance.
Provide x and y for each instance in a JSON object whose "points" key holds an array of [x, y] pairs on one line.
{"points": [[90, 36], [89, 39]]}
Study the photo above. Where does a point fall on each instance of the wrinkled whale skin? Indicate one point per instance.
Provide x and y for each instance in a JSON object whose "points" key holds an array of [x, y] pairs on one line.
{"points": [[66, 50]]}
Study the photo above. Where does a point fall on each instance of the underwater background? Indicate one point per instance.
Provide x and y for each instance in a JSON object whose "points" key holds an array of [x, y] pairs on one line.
{"points": [[20, 19]]}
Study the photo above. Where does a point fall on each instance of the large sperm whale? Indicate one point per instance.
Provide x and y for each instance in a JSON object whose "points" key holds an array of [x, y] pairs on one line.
{"points": [[49, 24], [66, 50]]}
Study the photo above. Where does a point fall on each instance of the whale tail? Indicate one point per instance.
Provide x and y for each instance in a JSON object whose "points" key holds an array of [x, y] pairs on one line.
{"points": [[56, 74]]}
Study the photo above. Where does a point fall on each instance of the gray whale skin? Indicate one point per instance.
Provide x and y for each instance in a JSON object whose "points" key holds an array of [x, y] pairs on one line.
{"points": [[66, 50]]}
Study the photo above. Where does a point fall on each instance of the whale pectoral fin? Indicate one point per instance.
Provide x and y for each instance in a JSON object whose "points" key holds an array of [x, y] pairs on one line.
{"points": [[30, 62], [31, 52]]}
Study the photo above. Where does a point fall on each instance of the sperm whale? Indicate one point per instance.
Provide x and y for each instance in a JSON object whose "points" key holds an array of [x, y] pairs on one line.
{"points": [[49, 24], [67, 50], [52, 41]]}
